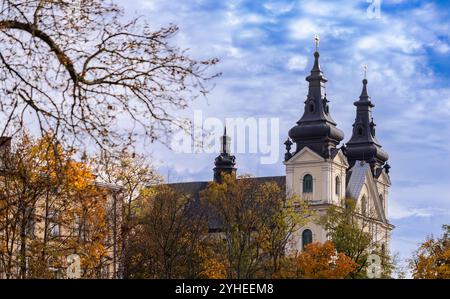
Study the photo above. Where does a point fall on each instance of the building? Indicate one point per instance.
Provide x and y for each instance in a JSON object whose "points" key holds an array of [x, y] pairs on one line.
{"points": [[322, 172], [59, 221]]}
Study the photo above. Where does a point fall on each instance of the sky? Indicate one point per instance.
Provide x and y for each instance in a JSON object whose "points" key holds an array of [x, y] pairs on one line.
{"points": [[266, 50]]}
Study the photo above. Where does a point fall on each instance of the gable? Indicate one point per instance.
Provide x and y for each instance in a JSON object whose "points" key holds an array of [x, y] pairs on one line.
{"points": [[304, 156], [340, 159], [362, 181], [384, 178]]}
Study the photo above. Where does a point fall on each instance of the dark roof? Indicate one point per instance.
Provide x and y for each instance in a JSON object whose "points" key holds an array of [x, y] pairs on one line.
{"points": [[316, 129], [363, 145], [193, 189]]}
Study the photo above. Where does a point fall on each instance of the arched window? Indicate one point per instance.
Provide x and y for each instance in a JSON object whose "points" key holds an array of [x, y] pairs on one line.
{"points": [[311, 107], [360, 130], [307, 238], [308, 184], [363, 205], [337, 186]]}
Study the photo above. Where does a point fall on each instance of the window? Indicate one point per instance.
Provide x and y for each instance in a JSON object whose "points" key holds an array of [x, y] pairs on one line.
{"points": [[308, 184], [337, 186], [363, 205], [311, 107], [307, 238], [382, 201], [360, 130]]}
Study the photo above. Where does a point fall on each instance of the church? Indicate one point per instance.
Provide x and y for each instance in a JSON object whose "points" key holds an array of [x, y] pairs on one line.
{"points": [[320, 170]]}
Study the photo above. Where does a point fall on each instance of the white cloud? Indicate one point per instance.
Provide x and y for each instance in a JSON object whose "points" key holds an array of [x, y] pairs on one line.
{"points": [[279, 7], [399, 212], [297, 63], [304, 29], [385, 41], [442, 47]]}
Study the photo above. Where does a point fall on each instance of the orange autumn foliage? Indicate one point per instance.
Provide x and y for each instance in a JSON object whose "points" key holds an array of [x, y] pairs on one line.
{"points": [[432, 259], [321, 261]]}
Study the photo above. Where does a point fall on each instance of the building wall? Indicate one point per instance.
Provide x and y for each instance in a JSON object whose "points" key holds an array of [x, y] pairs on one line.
{"points": [[324, 173], [110, 264]]}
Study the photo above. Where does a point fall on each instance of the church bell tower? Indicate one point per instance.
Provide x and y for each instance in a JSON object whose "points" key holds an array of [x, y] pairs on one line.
{"points": [[224, 162]]}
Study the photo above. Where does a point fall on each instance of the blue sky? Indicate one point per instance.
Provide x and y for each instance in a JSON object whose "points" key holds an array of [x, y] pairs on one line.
{"points": [[266, 50]]}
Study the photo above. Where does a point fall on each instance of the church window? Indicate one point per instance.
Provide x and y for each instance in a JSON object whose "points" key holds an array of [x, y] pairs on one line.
{"points": [[360, 130], [311, 107], [308, 184], [337, 186], [364, 206], [307, 238]]}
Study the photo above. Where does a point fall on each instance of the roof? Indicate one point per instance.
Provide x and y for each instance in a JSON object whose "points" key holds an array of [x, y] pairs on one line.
{"points": [[193, 189], [357, 176]]}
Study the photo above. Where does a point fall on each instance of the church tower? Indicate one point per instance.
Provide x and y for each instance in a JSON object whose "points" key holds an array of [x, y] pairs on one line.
{"points": [[316, 129], [225, 162], [369, 180], [316, 170], [363, 145]]}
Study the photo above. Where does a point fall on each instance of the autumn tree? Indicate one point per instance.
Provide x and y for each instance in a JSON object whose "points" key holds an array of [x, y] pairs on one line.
{"points": [[133, 173], [168, 239], [432, 258], [256, 223], [79, 68], [73, 221], [21, 187], [49, 208], [349, 232], [319, 261]]}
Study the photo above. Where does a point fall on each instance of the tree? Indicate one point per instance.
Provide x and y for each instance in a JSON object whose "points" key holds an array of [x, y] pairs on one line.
{"points": [[27, 175], [256, 222], [168, 238], [49, 208], [349, 232], [133, 173], [432, 259], [78, 68], [319, 261]]}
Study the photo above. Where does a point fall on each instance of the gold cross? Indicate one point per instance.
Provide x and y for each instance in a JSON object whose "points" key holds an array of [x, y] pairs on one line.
{"points": [[316, 40], [365, 71]]}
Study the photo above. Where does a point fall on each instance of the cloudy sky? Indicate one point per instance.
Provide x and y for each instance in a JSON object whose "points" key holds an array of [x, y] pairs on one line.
{"points": [[266, 51]]}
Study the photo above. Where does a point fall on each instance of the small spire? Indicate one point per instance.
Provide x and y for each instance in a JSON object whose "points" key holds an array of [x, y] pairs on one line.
{"points": [[316, 67], [224, 162], [288, 143], [364, 94], [225, 141]]}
